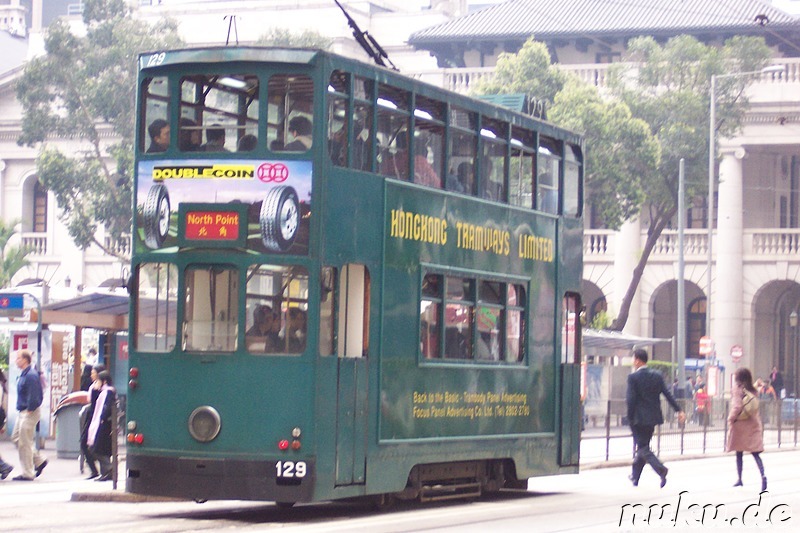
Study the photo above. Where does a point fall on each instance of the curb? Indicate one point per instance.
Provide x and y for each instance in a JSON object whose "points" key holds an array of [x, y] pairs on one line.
{"points": [[119, 496]]}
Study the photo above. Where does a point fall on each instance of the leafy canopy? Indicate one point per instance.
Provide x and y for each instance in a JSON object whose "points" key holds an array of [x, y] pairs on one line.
{"points": [[84, 89]]}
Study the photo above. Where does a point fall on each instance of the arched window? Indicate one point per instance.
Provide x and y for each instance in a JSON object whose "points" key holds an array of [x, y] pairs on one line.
{"points": [[696, 326], [39, 208]]}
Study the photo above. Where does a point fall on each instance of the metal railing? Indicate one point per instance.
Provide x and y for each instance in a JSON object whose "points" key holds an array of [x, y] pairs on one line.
{"points": [[606, 435]]}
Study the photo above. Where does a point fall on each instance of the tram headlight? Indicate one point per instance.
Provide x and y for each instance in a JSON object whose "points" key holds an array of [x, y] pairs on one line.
{"points": [[204, 423]]}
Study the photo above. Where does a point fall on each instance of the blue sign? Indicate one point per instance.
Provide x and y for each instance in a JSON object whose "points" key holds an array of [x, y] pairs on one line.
{"points": [[12, 304]]}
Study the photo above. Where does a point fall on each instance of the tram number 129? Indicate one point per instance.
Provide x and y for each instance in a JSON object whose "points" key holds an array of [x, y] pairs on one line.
{"points": [[290, 469]]}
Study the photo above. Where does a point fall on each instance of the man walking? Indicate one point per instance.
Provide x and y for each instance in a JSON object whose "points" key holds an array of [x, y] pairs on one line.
{"points": [[645, 388], [29, 398]]}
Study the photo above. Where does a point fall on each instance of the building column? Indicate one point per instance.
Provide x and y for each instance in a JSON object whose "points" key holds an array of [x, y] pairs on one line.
{"points": [[727, 302], [628, 249]]}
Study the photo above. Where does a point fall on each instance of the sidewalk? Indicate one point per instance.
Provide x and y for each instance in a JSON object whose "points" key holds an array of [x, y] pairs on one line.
{"points": [[68, 471]]}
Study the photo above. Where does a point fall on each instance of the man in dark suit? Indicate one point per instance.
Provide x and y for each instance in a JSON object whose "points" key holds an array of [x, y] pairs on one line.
{"points": [[645, 387]]}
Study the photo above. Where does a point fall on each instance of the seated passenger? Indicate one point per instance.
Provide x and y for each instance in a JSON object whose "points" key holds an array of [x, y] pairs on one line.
{"points": [[247, 143], [424, 173], [215, 139], [296, 330], [189, 136], [300, 128], [260, 336], [159, 136]]}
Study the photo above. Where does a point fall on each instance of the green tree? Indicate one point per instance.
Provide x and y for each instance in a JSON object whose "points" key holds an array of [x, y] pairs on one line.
{"points": [[304, 39], [654, 113], [84, 88], [12, 258]]}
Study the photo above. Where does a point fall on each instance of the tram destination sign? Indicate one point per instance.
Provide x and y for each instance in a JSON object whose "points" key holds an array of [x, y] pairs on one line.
{"points": [[212, 225]]}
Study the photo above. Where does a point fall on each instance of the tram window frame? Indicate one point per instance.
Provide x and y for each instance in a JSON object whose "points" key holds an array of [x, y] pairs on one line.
{"points": [[522, 168], [429, 137], [156, 307], [463, 153], [572, 193], [338, 127], [489, 298], [571, 341], [285, 288], [548, 175], [155, 106], [392, 134], [226, 318], [284, 105], [219, 102], [494, 150]]}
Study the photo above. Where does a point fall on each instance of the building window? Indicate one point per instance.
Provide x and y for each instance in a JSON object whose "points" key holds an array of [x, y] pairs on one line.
{"points": [[39, 208]]}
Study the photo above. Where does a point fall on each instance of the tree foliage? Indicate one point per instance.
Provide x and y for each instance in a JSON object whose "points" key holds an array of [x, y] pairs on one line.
{"points": [[289, 39], [84, 89], [655, 112], [12, 258]]}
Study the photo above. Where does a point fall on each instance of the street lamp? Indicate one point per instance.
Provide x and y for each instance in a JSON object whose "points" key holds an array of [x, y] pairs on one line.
{"points": [[712, 143], [793, 325]]}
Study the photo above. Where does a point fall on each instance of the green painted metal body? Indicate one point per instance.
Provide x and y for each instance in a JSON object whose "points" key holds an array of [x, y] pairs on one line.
{"points": [[365, 421]]}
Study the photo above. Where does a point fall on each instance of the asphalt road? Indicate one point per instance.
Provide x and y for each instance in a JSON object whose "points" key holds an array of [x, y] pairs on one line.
{"points": [[699, 494]]}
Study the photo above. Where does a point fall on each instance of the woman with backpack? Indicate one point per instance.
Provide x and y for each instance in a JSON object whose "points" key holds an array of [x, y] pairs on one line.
{"points": [[745, 433]]}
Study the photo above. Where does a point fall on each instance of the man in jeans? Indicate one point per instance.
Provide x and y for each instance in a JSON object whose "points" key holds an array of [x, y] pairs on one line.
{"points": [[29, 400]]}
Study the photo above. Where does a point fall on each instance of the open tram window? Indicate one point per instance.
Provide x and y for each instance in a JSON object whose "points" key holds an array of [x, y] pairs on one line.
{"points": [[392, 135], [211, 314], [429, 117], [571, 330], [156, 304], [429, 311], [459, 317], [493, 162], [548, 172], [154, 134], [489, 320], [572, 181], [290, 113], [277, 309], [463, 151], [515, 323], [522, 166], [223, 109]]}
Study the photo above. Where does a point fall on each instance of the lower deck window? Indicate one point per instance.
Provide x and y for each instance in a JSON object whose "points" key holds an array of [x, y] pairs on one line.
{"points": [[465, 318]]}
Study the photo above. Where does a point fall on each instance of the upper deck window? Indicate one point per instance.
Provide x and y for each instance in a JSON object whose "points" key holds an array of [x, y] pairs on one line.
{"points": [[494, 136], [463, 151], [572, 181], [393, 138], [521, 175], [219, 113], [429, 118], [154, 135], [290, 113], [548, 173]]}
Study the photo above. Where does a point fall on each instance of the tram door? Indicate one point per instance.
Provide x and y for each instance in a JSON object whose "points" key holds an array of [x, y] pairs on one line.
{"points": [[571, 411], [352, 350]]}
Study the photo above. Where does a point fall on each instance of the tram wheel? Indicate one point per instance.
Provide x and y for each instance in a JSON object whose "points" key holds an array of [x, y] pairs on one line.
{"points": [[279, 218], [156, 215]]}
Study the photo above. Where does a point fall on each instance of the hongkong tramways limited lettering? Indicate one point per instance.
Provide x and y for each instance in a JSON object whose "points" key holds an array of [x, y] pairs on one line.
{"points": [[416, 227], [483, 239], [412, 226], [204, 172]]}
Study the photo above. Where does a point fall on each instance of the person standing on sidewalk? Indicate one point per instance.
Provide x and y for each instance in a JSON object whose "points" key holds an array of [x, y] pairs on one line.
{"points": [[645, 387], [98, 436], [29, 400]]}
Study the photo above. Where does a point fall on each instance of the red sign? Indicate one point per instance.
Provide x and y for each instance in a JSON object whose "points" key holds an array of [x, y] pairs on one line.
{"points": [[736, 353], [212, 225], [706, 345]]}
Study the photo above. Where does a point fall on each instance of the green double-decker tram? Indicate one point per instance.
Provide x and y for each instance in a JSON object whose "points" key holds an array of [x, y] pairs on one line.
{"points": [[347, 283]]}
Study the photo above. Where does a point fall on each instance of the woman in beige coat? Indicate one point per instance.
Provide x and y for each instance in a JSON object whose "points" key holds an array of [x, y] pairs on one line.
{"points": [[745, 435]]}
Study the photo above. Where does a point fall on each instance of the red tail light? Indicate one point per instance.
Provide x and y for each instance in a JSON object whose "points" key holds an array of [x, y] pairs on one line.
{"points": [[283, 444]]}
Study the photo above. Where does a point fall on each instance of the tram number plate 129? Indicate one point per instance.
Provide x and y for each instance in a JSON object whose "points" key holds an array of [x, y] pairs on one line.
{"points": [[290, 469]]}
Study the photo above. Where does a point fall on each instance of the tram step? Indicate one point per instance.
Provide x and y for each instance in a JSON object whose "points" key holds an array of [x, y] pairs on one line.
{"points": [[432, 493]]}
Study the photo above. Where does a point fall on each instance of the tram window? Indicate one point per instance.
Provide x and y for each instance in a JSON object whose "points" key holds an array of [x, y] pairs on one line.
{"points": [[463, 149], [156, 307], [327, 301], [337, 130], [429, 313], [572, 181], [278, 295], [392, 135], [523, 157], [493, 167], [459, 318], [222, 108], [548, 172], [515, 323], [570, 329], [155, 133], [489, 322], [362, 139], [211, 315], [429, 116], [290, 112]]}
